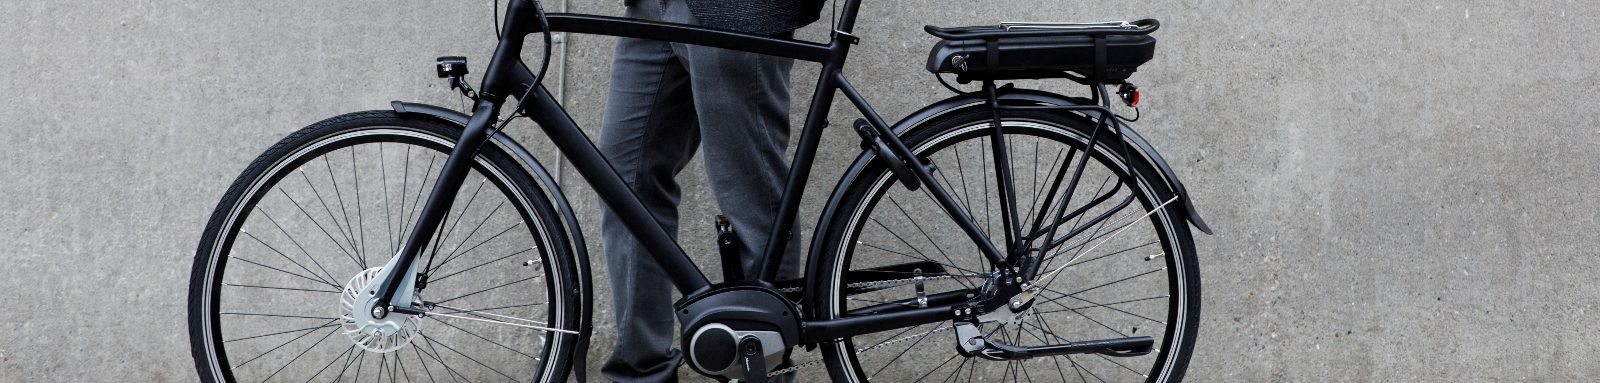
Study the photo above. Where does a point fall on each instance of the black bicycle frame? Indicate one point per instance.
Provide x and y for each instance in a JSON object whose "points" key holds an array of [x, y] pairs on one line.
{"points": [[508, 76]]}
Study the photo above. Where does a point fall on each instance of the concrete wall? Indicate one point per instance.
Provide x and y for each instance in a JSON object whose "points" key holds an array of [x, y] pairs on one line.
{"points": [[1403, 190]]}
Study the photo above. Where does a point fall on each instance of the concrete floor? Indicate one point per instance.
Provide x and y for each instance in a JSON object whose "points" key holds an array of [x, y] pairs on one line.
{"points": [[1402, 190]]}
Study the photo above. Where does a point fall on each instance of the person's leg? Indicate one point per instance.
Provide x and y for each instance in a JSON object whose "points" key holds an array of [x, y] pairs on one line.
{"points": [[742, 103], [648, 135], [741, 100]]}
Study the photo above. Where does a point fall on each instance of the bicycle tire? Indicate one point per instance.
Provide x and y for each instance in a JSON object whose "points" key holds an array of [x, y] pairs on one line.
{"points": [[355, 131]]}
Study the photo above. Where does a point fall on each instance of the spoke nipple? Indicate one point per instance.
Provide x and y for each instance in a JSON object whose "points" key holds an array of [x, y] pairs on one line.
{"points": [[530, 262]]}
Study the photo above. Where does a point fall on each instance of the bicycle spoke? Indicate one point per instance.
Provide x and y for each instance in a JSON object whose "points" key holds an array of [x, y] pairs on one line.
{"points": [[480, 244], [416, 201], [424, 363], [404, 372], [330, 319], [953, 372], [458, 352], [287, 272], [343, 232], [330, 363], [296, 244], [458, 328], [359, 365], [913, 222], [914, 248], [1125, 367], [301, 354], [488, 289], [339, 196], [1060, 372], [437, 357], [1033, 203], [902, 352], [1075, 366], [323, 229], [1094, 222], [1114, 253], [1051, 277], [286, 258], [457, 222], [405, 182], [278, 288], [434, 280], [269, 351], [280, 333], [360, 219], [469, 236], [1092, 303], [388, 219], [983, 180]]}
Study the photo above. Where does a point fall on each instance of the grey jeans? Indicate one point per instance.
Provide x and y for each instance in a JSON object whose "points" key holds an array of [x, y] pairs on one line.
{"points": [[666, 99]]}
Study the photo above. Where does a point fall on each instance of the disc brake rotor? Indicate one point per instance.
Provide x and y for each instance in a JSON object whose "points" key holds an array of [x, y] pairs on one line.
{"points": [[377, 335]]}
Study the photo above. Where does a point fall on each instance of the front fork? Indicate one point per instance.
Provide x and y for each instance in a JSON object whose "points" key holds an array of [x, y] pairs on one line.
{"points": [[394, 291]]}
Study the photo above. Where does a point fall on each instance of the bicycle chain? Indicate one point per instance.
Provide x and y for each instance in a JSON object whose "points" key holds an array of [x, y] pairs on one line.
{"points": [[894, 282]]}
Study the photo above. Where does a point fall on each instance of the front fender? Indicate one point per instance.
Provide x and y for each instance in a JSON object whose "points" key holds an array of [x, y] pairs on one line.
{"points": [[570, 220], [1014, 97]]}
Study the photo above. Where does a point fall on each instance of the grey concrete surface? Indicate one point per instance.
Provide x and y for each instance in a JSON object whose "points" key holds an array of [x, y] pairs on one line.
{"points": [[1403, 190]]}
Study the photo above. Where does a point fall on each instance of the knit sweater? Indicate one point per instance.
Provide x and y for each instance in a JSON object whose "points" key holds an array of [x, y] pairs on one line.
{"points": [[765, 17]]}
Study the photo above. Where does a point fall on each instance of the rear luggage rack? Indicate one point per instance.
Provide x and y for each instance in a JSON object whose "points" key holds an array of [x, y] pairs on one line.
{"points": [[1043, 29]]}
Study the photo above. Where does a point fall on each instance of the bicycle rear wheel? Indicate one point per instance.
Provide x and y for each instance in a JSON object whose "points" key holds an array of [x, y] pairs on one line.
{"points": [[314, 218], [1123, 265]]}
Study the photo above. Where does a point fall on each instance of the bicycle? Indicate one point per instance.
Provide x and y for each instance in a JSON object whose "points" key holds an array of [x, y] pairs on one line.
{"points": [[1086, 289]]}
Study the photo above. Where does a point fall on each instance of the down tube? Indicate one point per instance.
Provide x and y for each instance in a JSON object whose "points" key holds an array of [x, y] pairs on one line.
{"points": [[614, 192]]}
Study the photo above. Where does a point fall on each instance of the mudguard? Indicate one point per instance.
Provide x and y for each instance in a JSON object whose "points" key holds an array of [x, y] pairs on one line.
{"points": [[570, 220], [1010, 97]]}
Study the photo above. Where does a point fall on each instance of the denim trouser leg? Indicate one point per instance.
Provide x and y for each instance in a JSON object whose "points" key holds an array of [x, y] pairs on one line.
{"points": [[665, 99]]}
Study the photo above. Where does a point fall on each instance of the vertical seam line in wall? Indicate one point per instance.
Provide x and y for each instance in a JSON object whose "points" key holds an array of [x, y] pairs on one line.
{"points": [[561, 91]]}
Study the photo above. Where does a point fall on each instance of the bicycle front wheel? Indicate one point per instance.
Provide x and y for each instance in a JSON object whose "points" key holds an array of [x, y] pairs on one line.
{"points": [[313, 219], [1112, 256]]}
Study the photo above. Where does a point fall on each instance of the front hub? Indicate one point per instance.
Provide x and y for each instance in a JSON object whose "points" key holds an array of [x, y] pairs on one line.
{"points": [[373, 330]]}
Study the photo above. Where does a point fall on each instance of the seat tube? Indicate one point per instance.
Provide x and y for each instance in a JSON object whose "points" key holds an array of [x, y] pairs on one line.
{"points": [[847, 19]]}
